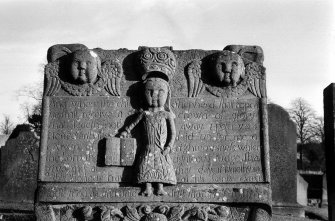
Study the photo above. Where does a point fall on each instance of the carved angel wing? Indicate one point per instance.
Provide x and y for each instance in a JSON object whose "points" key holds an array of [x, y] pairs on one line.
{"points": [[131, 214], [52, 79], [256, 79], [195, 84], [113, 71], [176, 213]]}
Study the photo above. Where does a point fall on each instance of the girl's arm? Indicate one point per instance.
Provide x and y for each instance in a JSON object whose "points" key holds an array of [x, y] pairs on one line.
{"points": [[128, 128], [171, 132]]}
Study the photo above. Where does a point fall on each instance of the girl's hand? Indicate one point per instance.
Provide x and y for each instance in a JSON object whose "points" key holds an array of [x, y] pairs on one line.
{"points": [[167, 151], [123, 134]]}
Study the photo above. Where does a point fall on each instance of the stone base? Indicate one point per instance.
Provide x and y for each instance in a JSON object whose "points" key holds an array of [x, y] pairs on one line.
{"points": [[294, 210], [16, 216], [17, 206], [289, 218]]}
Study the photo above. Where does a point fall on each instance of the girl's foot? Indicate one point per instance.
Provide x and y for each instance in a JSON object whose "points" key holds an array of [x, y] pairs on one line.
{"points": [[148, 190], [161, 191]]}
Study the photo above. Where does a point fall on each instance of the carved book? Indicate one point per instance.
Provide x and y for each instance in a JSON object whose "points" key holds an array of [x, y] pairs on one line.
{"points": [[120, 151]]}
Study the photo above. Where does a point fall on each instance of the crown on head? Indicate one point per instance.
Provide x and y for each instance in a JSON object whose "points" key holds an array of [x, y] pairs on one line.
{"points": [[158, 60]]}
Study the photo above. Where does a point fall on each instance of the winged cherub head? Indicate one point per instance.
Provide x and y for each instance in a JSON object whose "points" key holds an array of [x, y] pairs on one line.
{"points": [[229, 68], [85, 67]]}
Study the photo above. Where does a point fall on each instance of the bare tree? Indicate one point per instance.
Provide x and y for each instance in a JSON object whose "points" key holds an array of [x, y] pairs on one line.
{"points": [[318, 134], [32, 108], [304, 116], [7, 125], [34, 91]]}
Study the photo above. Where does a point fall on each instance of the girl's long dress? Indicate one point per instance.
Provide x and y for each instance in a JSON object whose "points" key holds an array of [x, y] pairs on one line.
{"points": [[153, 165]]}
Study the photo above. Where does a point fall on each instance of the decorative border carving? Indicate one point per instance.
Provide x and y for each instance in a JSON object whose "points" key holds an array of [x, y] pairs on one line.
{"points": [[148, 212]]}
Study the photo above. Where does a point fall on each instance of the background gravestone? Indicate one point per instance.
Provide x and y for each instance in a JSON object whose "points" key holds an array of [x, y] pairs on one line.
{"points": [[154, 134], [283, 153], [329, 117], [3, 139], [18, 175]]}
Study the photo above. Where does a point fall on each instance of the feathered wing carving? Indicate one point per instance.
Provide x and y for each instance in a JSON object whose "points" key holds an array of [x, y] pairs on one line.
{"points": [[131, 214], [176, 213], [256, 79], [52, 79], [113, 72], [195, 84]]}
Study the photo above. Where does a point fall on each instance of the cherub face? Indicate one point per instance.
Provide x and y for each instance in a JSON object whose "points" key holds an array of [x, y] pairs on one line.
{"points": [[84, 67], [156, 91], [229, 68]]}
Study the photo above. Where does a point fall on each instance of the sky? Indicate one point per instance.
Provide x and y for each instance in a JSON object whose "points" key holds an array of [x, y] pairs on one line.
{"points": [[297, 37]]}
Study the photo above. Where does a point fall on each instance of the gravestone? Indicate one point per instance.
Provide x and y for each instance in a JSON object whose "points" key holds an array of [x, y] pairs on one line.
{"points": [[18, 176], [324, 202], [283, 163], [302, 187], [154, 134], [3, 139], [329, 118]]}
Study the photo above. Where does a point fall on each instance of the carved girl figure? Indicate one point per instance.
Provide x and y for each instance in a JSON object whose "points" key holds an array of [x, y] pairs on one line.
{"points": [[155, 164]]}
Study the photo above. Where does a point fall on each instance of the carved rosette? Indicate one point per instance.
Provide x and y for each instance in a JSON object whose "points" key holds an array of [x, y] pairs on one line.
{"points": [[158, 60]]}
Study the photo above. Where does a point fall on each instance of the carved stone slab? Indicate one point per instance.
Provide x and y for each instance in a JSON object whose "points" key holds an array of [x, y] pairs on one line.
{"points": [[18, 177], [283, 153], [116, 122]]}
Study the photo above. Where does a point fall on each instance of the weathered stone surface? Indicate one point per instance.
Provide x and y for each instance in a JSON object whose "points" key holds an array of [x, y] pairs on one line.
{"points": [[12, 216], [283, 152], [302, 187], [324, 202], [196, 122], [329, 117], [19, 168], [3, 139]]}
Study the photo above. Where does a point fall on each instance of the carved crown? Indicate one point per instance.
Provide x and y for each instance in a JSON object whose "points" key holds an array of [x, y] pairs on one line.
{"points": [[158, 59]]}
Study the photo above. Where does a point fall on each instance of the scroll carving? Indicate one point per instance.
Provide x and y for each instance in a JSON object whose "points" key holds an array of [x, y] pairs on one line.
{"points": [[157, 59]]}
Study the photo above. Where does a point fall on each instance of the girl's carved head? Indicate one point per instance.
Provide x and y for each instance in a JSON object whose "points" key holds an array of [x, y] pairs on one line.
{"points": [[156, 92]]}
